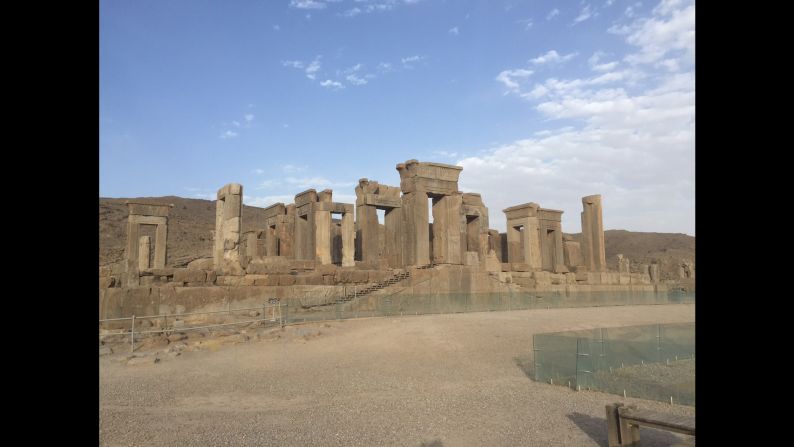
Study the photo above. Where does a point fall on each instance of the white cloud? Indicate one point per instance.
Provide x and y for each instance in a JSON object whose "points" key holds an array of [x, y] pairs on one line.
{"points": [[671, 30], [352, 12], [258, 171], [552, 57], [508, 77], [585, 14], [313, 68], [307, 4], [633, 142], [355, 80], [384, 67], [597, 65], [236, 123], [554, 13], [409, 59], [293, 64], [228, 134], [276, 27], [249, 117], [332, 84], [454, 31], [527, 24], [292, 169]]}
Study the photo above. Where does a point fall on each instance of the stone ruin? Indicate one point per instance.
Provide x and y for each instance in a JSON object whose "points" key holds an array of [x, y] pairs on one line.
{"points": [[315, 249]]}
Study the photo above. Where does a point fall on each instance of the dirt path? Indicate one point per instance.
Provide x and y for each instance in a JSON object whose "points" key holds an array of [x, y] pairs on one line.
{"points": [[432, 380]]}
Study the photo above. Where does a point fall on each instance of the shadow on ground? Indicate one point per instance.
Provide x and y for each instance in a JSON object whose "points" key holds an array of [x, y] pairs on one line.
{"points": [[434, 443], [596, 429], [526, 365]]}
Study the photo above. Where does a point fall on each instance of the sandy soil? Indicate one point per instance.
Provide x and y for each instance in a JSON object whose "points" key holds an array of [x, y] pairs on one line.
{"points": [[431, 380]]}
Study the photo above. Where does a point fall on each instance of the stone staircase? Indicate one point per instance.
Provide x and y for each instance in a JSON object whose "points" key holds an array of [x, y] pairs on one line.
{"points": [[377, 286]]}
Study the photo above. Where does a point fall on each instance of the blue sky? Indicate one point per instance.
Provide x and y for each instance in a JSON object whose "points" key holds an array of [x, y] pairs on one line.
{"points": [[541, 101]]}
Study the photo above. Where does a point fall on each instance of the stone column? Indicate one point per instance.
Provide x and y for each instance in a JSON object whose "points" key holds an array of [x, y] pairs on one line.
{"points": [[322, 236], [447, 229], [653, 272], [393, 245], [285, 231], [271, 241], [593, 234], [416, 230], [133, 244], [160, 238], [367, 232], [348, 238], [572, 252], [305, 226], [144, 249], [228, 222]]}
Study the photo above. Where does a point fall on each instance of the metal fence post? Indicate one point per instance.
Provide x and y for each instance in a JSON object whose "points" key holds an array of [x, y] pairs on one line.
{"points": [[132, 335]]}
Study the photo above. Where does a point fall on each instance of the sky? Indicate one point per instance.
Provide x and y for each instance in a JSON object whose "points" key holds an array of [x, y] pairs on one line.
{"points": [[538, 101]]}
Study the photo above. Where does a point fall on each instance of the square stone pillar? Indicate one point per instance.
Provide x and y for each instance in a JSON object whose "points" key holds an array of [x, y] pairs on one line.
{"points": [[572, 252], [144, 249], [447, 229], [393, 244], [305, 226], [593, 250], [367, 232], [228, 222], [416, 230], [348, 239], [322, 236]]}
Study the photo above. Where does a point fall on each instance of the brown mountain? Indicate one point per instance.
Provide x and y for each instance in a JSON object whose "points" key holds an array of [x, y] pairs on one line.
{"points": [[192, 220]]}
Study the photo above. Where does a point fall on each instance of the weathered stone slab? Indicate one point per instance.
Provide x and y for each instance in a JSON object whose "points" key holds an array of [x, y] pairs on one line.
{"points": [[187, 275]]}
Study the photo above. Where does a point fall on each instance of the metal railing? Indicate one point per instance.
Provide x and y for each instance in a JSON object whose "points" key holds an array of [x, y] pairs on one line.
{"points": [[275, 315]]}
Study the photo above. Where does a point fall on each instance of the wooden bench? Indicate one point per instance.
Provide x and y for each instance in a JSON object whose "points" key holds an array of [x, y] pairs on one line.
{"points": [[623, 424]]}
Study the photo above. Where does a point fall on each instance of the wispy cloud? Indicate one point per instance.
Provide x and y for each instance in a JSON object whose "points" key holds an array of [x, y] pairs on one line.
{"points": [[509, 77], [454, 31], [334, 85], [229, 134], [276, 27], [527, 24], [632, 140], [552, 14], [313, 68], [352, 12], [293, 64], [292, 169], [552, 57], [258, 171], [596, 64], [584, 14], [307, 4]]}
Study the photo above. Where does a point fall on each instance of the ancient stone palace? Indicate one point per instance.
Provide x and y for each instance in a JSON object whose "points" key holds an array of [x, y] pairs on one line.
{"points": [[320, 251]]}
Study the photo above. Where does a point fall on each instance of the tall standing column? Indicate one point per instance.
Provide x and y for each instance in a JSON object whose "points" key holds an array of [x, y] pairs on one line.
{"points": [[348, 233], [447, 229], [228, 221], [144, 249], [322, 237], [416, 229], [593, 249], [160, 238]]}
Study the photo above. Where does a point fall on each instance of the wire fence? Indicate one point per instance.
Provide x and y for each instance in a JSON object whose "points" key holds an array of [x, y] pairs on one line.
{"points": [[654, 362], [405, 301], [271, 312]]}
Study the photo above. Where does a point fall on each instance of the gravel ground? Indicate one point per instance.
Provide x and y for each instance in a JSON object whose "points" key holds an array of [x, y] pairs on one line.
{"points": [[431, 380]]}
